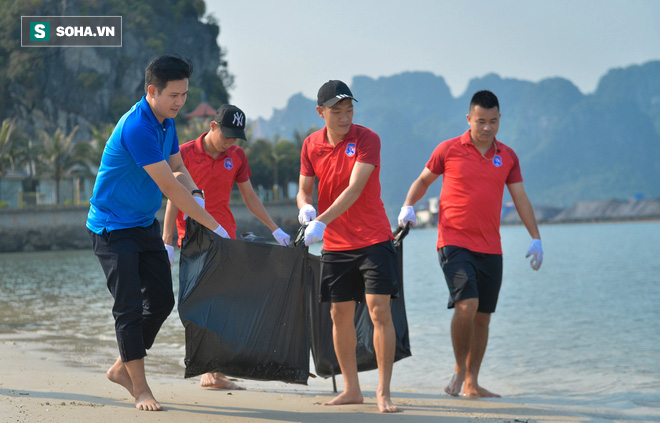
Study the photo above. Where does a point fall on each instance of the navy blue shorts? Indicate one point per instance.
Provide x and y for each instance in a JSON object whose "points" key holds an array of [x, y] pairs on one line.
{"points": [[471, 275], [348, 275]]}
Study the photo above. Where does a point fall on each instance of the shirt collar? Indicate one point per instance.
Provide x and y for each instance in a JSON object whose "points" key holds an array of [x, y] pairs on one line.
{"points": [[146, 109], [351, 135], [466, 139]]}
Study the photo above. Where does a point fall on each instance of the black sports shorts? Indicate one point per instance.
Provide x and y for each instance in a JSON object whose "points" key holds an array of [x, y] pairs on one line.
{"points": [[471, 275], [348, 275]]}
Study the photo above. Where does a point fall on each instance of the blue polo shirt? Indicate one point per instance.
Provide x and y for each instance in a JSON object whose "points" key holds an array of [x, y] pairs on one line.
{"points": [[124, 194]]}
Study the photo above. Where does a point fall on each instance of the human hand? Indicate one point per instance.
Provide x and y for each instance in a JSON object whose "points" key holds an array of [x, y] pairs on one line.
{"points": [[407, 215], [314, 232], [536, 250], [307, 214], [221, 231], [282, 237], [170, 254], [200, 201]]}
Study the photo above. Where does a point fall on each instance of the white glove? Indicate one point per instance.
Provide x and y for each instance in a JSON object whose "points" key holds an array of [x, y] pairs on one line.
{"points": [[282, 237], [307, 214], [314, 232], [221, 231], [200, 201], [407, 215], [170, 254], [536, 250]]}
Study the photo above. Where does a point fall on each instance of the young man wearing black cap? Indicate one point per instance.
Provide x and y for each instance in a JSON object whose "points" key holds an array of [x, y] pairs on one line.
{"points": [[215, 163], [358, 260]]}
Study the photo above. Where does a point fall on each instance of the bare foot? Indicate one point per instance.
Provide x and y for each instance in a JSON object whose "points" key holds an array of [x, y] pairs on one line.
{"points": [[118, 374], [346, 398], [147, 402], [218, 381], [385, 404], [455, 385], [478, 392]]}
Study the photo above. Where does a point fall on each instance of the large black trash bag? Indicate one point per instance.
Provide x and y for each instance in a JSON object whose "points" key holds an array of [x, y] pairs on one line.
{"points": [[243, 306], [323, 352]]}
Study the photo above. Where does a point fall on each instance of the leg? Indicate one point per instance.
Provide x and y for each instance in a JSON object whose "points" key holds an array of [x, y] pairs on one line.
{"points": [[144, 399], [475, 357], [118, 374], [384, 345], [218, 381], [462, 330], [345, 340]]}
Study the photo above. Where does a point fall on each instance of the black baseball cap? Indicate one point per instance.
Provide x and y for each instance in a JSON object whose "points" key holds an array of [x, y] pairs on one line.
{"points": [[231, 120], [333, 92]]}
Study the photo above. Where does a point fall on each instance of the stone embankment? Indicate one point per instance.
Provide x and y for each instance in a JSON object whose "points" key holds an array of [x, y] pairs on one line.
{"points": [[63, 228], [594, 211]]}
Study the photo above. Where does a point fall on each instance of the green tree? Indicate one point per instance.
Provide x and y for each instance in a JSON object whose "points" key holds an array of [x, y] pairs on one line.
{"points": [[61, 157], [7, 147], [286, 156], [260, 157]]}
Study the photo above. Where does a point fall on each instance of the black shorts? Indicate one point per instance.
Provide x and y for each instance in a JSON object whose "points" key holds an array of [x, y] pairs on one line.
{"points": [[471, 275], [348, 275]]}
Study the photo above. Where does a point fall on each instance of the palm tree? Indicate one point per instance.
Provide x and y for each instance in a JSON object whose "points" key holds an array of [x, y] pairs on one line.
{"points": [[7, 146], [61, 156]]}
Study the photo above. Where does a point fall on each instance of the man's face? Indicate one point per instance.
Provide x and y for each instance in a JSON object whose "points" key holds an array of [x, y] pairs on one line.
{"points": [[484, 124], [339, 117], [219, 142], [167, 103]]}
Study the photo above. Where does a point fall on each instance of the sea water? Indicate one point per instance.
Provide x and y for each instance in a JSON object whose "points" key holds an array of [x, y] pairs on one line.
{"points": [[582, 333]]}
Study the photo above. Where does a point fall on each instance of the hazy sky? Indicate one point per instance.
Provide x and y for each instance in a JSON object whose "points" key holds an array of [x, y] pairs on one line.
{"points": [[278, 48]]}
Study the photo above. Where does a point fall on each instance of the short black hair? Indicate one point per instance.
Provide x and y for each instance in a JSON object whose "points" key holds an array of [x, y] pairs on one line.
{"points": [[485, 99], [166, 68]]}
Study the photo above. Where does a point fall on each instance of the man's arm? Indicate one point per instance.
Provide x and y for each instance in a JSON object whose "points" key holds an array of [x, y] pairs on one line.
{"points": [[255, 205], [357, 182], [524, 208], [169, 222], [419, 187], [305, 190], [526, 213], [179, 193]]}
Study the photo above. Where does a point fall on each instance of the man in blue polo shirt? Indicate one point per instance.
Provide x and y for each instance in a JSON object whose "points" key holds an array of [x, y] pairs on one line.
{"points": [[140, 163]]}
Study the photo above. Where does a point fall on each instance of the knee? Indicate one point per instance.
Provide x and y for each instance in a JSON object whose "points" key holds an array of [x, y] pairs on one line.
{"points": [[482, 320], [466, 307], [381, 314], [161, 306]]}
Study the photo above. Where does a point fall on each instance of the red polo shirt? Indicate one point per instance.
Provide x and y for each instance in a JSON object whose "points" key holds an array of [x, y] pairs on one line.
{"points": [[365, 223], [471, 195], [216, 177]]}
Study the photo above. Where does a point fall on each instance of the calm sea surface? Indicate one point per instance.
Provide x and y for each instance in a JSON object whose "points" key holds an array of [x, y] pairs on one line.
{"points": [[583, 332]]}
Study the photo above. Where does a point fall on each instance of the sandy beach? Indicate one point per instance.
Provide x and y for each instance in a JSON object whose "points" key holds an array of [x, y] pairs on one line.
{"points": [[37, 386]]}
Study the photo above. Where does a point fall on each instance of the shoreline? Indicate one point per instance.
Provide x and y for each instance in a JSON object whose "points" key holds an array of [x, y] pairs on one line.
{"points": [[39, 386]]}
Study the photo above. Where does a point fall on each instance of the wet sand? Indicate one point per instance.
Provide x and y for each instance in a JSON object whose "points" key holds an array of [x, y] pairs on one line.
{"points": [[37, 386]]}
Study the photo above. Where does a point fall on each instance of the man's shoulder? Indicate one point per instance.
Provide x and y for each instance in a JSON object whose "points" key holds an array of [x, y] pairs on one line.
{"points": [[187, 146], [362, 132], [236, 151], [448, 144], [135, 121]]}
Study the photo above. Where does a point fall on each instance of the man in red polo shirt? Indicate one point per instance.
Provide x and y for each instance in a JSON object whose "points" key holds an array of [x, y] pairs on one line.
{"points": [[215, 163], [358, 260], [475, 169]]}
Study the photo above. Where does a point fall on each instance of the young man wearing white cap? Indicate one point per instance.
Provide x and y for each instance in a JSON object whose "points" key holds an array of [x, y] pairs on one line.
{"points": [[358, 260]]}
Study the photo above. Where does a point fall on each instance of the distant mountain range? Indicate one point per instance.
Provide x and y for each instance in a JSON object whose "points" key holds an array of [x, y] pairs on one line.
{"points": [[572, 146]]}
